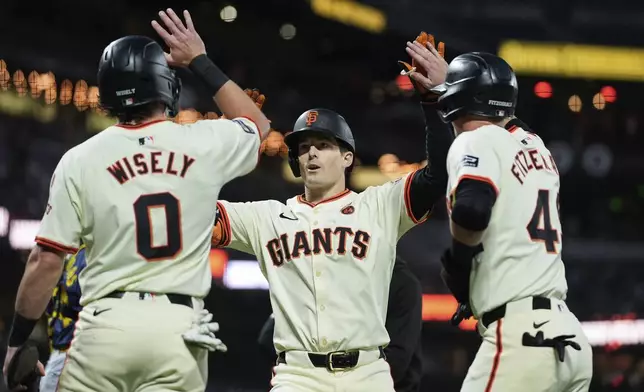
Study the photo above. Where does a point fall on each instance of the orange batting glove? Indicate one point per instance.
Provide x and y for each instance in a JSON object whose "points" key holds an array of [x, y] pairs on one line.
{"points": [[253, 94], [423, 39]]}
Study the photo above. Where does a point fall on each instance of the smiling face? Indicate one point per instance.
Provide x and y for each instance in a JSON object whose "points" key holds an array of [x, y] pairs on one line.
{"points": [[322, 161]]}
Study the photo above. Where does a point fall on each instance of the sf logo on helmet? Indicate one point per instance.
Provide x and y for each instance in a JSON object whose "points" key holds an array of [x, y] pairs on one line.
{"points": [[311, 118]]}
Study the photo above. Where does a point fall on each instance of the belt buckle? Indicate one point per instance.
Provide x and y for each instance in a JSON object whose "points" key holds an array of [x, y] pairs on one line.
{"points": [[329, 361]]}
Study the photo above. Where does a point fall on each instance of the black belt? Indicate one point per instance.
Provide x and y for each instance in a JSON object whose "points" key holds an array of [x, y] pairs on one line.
{"points": [[335, 360], [177, 299], [498, 313]]}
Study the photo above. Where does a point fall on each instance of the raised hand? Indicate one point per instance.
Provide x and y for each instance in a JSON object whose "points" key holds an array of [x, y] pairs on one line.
{"points": [[428, 67], [183, 41], [431, 61]]}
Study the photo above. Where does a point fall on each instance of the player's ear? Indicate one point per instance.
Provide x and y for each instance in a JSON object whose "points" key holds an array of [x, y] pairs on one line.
{"points": [[347, 158]]}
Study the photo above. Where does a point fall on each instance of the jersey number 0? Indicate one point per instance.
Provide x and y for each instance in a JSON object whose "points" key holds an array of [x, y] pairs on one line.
{"points": [[144, 237]]}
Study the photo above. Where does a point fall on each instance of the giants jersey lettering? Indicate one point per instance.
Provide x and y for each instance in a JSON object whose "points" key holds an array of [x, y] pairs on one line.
{"points": [[328, 264], [522, 244], [63, 309], [141, 199]]}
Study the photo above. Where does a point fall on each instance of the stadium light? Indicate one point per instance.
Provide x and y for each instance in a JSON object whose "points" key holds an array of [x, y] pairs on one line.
{"points": [[20, 82], [4, 221], [403, 82], [599, 102], [288, 31], [609, 93], [228, 14], [543, 89], [574, 104], [66, 89]]}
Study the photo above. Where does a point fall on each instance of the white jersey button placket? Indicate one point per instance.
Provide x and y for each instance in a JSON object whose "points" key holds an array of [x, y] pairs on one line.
{"points": [[319, 283]]}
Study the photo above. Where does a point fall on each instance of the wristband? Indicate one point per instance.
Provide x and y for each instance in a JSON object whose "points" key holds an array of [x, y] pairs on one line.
{"points": [[21, 329], [213, 77]]}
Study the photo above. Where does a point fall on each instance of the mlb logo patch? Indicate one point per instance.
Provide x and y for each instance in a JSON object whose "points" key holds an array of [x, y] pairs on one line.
{"points": [[470, 161], [128, 101], [143, 141]]}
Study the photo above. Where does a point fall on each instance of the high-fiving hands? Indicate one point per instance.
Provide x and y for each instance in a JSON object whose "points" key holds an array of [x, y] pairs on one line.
{"points": [[428, 68]]}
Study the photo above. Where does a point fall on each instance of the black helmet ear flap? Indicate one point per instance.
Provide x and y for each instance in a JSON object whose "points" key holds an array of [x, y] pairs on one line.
{"points": [[291, 142], [294, 163], [173, 108]]}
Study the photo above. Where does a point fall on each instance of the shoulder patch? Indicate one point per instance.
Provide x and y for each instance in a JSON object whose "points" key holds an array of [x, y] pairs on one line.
{"points": [[244, 126], [470, 161]]}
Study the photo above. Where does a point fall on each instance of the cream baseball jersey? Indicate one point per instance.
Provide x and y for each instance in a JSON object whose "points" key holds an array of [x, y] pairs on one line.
{"points": [[522, 243], [328, 265], [140, 198]]}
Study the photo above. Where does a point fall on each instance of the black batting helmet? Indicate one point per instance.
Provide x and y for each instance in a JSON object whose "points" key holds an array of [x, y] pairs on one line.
{"points": [[479, 84], [133, 72], [323, 121]]}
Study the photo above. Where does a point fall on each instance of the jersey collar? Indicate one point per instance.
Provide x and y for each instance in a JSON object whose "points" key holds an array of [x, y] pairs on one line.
{"points": [[139, 126], [515, 124], [300, 198]]}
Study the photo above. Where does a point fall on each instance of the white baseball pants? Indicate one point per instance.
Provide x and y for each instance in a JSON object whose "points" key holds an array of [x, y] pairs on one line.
{"points": [[503, 363], [133, 344]]}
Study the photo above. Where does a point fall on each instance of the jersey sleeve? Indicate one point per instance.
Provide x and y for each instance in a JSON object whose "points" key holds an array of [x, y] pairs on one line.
{"points": [[473, 157], [236, 146], [60, 227], [236, 225], [394, 206]]}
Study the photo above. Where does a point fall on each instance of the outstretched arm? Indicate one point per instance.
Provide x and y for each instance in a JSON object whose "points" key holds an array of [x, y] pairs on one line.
{"points": [[233, 226], [428, 69], [407, 201], [187, 49], [428, 185]]}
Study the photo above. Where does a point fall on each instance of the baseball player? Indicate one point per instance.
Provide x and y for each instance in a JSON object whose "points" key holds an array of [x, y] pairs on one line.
{"points": [[62, 312], [139, 195], [328, 254], [505, 264]]}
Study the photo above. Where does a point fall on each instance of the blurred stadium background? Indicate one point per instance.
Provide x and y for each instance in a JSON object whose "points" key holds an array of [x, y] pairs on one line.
{"points": [[581, 68]]}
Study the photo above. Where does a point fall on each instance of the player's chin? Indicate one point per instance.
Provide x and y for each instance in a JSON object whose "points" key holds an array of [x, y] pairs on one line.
{"points": [[311, 175], [314, 181]]}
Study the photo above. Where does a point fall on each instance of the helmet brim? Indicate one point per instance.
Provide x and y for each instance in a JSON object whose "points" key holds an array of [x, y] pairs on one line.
{"points": [[292, 139]]}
